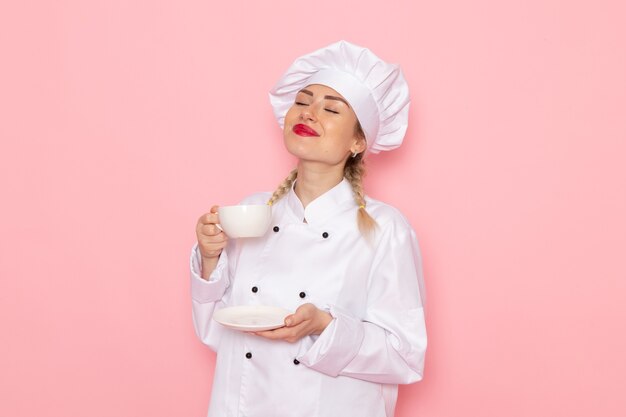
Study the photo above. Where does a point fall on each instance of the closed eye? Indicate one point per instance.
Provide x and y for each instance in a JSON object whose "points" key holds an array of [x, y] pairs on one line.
{"points": [[299, 103], [332, 111]]}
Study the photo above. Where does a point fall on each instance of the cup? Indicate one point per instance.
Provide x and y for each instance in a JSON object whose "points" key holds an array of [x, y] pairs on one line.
{"points": [[247, 220]]}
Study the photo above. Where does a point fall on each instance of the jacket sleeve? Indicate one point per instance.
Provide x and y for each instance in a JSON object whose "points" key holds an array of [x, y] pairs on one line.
{"points": [[388, 344], [207, 296]]}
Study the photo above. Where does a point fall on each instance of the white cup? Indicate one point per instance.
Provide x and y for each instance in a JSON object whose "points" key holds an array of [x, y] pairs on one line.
{"points": [[251, 220]]}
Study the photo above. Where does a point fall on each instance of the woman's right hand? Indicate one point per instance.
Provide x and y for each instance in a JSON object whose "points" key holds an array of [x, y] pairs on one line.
{"points": [[211, 239]]}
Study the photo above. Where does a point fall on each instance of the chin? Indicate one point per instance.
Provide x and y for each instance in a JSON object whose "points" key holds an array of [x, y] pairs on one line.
{"points": [[297, 151], [295, 145]]}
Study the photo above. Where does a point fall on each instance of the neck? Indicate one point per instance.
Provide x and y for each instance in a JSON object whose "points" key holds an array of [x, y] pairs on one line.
{"points": [[314, 180]]}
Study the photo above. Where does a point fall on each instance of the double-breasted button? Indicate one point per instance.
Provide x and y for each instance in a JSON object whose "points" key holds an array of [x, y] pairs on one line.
{"points": [[276, 229], [296, 362], [325, 235], [302, 294], [255, 289], [249, 355]]}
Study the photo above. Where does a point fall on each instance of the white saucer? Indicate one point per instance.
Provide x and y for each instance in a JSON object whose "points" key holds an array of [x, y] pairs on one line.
{"points": [[251, 318]]}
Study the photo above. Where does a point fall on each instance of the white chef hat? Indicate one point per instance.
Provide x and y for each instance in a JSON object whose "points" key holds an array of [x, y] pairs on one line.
{"points": [[376, 90]]}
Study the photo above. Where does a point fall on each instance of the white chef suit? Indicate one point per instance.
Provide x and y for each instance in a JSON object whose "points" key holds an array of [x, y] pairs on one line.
{"points": [[376, 340]]}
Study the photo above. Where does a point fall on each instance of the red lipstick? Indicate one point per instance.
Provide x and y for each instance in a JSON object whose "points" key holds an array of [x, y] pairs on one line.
{"points": [[304, 130]]}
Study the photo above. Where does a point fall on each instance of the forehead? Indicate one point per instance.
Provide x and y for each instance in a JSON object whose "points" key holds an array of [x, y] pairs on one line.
{"points": [[320, 89], [324, 92]]}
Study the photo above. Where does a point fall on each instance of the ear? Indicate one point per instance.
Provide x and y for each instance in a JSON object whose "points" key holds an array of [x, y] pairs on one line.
{"points": [[359, 145]]}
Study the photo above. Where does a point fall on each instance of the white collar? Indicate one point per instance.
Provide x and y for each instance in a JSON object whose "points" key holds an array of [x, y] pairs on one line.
{"points": [[323, 206]]}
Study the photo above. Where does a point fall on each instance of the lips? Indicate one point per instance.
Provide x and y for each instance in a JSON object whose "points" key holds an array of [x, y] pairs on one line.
{"points": [[304, 130]]}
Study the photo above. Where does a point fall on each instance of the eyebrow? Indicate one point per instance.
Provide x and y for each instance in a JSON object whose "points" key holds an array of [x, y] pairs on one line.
{"points": [[305, 91]]}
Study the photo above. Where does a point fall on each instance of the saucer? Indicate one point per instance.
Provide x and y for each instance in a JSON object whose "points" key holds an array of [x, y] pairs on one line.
{"points": [[252, 318]]}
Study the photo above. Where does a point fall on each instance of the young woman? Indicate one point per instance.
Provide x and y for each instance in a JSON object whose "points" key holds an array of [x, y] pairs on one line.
{"points": [[348, 266]]}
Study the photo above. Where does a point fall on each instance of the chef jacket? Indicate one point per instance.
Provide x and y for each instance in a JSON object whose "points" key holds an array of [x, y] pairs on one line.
{"points": [[371, 287]]}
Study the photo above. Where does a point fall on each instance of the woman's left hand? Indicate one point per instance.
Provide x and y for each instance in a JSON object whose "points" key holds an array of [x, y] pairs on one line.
{"points": [[307, 320]]}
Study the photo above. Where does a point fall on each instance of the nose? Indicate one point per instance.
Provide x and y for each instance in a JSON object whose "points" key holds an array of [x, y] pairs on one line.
{"points": [[307, 114]]}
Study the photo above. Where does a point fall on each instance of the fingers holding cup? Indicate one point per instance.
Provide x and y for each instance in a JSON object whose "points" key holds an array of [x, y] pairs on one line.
{"points": [[211, 239]]}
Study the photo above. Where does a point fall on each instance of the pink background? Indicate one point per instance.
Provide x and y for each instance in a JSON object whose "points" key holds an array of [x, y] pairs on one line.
{"points": [[121, 122]]}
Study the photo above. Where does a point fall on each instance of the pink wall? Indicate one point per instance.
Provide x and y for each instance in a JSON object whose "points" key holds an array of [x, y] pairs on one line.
{"points": [[121, 122]]}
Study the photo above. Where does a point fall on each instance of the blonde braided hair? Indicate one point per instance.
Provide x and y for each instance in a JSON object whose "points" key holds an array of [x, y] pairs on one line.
{"points": [[354, 172], [283, 187]]}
